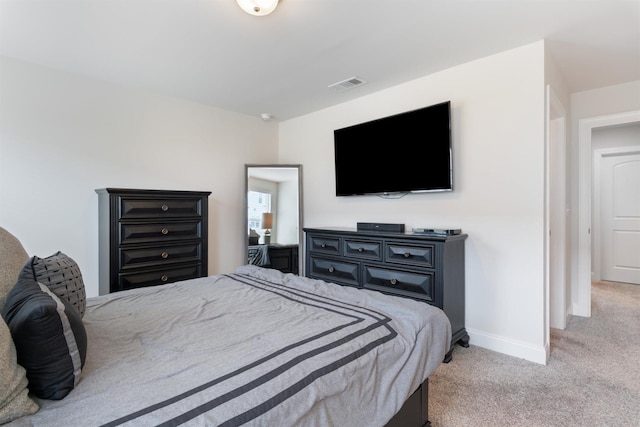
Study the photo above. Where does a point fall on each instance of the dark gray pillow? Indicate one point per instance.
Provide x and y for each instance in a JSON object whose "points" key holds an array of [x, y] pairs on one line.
{"points": [[62, 275], [50, 339]]}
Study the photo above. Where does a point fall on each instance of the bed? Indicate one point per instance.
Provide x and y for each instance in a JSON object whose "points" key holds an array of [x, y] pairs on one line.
{"points": [[253, 347]]}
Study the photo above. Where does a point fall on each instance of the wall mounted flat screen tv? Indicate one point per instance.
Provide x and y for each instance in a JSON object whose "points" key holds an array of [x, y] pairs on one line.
{"points": [[406, 152]]}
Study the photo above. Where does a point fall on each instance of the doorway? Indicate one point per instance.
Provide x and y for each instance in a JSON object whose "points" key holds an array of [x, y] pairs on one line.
{"points": [[582, 290]]}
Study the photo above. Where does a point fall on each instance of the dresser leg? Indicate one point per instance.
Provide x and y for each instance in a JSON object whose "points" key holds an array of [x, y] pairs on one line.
{"points": [[464, 341], [447, 357]]}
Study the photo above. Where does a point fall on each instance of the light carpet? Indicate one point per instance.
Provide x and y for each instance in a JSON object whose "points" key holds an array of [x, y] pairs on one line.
{"points": [[592, 378]]}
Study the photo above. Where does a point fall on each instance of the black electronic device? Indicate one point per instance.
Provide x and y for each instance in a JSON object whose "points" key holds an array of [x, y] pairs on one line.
{"points": [[406, 152], [380, 226], [441, 231]]}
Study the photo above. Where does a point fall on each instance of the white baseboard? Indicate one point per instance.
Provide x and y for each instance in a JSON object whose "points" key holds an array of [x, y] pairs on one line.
{"points": [[532, 353]]}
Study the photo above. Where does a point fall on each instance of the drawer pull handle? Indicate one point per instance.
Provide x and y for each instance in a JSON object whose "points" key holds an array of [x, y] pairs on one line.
{"points": [[407, 254], [164, 208], [165, 255], [360, 249], [331, 269], [394, 281], [323, 245], [164, 278], [165, 231]]}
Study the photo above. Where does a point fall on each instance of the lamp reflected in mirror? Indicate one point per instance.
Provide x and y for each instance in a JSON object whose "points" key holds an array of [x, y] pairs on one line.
{"points": [[267, 224]]}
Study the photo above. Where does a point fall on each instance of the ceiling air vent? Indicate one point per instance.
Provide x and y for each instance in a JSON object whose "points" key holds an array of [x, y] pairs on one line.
{"points": [[347, 84]]}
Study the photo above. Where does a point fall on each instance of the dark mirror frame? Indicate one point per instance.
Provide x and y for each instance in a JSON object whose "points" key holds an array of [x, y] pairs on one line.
{"points": [[248, 168]]}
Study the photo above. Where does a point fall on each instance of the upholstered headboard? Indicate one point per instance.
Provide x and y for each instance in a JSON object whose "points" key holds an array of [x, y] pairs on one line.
{"points": [[12, 259]]}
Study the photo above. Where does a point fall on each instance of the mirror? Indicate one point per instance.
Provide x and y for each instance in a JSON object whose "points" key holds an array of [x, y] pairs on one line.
{"points": [[273, 216]]}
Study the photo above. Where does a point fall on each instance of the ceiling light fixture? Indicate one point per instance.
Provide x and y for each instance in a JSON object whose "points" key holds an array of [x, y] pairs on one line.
{"points": [[258, 7]]}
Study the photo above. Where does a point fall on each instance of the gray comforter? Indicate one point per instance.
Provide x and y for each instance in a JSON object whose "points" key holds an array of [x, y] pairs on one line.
{"points": [[256, 347]]}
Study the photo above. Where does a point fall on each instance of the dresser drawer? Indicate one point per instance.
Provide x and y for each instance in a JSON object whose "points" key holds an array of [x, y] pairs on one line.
{"points": [[363, 249], [134, 208], [415, 284], [334, 270], [325, 245], [407, 254], [158, 277], [161, 255], [159, 232]]}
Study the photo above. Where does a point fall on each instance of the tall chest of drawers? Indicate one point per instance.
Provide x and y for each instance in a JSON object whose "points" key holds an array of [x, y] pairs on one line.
{"points": [[425, 267], [151, 237]]}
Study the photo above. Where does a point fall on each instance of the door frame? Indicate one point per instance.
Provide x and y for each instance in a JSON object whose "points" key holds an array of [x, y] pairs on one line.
{"points": [[596, 231], [581, 294], [555, 237]]}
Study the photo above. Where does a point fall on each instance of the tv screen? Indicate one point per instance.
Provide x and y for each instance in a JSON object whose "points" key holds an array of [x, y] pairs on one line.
{"points": [[407, 152]]}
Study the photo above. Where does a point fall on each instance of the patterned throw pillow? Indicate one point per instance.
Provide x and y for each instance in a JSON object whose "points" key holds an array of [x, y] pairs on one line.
{"points": [[62, 275], [50, 339]]}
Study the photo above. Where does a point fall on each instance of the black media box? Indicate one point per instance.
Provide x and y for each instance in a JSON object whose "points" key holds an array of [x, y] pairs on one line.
{"points": [[380, 226], [441, 231]]}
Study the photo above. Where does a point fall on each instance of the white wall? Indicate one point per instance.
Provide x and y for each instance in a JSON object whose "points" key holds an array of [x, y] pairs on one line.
{"points": [[288, 220], [554, 77], [62, 136], [604, 101], [498, 143], [616, 136]]}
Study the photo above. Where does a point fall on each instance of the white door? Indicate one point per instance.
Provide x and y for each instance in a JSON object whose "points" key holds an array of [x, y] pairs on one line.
{"points": [[620, 217]]}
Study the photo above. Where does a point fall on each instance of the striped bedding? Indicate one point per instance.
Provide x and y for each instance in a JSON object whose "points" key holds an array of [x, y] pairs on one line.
{"points": [[257, 348]]}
